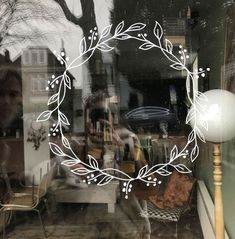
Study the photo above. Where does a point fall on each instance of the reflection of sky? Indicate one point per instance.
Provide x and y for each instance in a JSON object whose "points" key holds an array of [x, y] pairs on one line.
{"points": [[70, 33]]}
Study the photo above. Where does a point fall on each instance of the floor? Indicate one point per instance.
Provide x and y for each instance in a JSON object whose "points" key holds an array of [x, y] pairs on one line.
{"points": [[91, 221]]}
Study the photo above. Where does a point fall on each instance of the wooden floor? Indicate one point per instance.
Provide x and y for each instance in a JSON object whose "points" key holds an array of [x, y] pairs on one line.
{"points": [[75, 221]]}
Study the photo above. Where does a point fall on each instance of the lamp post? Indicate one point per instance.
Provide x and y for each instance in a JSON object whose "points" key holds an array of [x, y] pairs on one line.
{"points": [[219, 112]]}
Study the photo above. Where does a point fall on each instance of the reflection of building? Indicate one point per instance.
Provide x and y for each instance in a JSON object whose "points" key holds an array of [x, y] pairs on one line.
{"points": [[36, 72], [38, 64], [5, 59], [175, 30]]}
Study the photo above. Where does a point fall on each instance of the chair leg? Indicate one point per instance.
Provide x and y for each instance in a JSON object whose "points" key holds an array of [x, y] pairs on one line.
{"points": [[3, 225], [41, 222], [6, 219], [176, 230]]}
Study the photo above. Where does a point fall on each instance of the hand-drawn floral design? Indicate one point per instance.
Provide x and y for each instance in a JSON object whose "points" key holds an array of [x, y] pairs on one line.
{"points": [[147, 175]]}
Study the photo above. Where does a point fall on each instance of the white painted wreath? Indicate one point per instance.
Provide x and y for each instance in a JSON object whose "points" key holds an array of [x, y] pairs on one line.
{"points": [[91, 169]]}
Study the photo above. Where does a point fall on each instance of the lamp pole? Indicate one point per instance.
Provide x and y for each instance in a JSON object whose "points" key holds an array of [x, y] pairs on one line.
{"points": [[219, 214], [215, 109]]}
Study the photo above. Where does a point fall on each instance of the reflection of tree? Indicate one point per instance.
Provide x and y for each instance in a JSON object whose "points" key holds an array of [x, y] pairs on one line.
{"points": [[17, 20], [17, 25], [87, 22]]}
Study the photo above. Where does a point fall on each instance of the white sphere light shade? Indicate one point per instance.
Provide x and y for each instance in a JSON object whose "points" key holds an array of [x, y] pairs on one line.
{"points": [[219, 112]]}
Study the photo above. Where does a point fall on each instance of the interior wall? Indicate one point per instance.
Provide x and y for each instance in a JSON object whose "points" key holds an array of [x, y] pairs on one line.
{"points": [[228, 167], [211, 53], [36, 161]]}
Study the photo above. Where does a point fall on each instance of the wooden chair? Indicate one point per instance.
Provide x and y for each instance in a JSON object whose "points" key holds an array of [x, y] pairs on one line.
{"points": [[5, 188], [165, 215], [26, 201]]}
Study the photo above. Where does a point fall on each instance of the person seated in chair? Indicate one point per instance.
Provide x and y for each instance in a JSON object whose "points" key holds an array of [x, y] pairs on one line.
{"points": [[108, 137]]}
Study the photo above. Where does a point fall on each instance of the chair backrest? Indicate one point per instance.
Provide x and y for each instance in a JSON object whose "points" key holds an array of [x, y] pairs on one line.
{"points": [[42, 187], [45, 181]]}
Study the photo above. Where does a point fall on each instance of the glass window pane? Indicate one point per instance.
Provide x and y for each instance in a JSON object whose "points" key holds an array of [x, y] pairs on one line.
{"points": [[103, 102]]}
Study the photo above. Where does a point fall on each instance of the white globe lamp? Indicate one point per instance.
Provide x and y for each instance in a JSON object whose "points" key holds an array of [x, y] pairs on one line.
{"points": [[217, 108]]}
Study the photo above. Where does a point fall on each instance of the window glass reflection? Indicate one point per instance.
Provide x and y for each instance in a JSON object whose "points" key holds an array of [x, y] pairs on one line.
{"points": [[120, 102]]}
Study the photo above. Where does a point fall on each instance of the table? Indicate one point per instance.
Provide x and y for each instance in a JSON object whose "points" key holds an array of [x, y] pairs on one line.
{"points": [[92, 194]]}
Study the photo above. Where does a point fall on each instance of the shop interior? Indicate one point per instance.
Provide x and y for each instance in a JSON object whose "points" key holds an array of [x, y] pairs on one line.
{"points": [[100, 143]]}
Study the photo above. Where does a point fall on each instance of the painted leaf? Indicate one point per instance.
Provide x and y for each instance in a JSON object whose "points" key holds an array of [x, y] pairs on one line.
{"points": [[105, 180], [67, 82], [146, 46], [63, 118], [52, 99], [69, 162], [201, 100], [194, 153], [45, 115], [169, 46], [123, 36], [191, 136], [177, 66], [119, 28], [104, 47], [136, 27], [201, 96], [154, 169], [80, 171], [190, 115], [200, 135], [174, 152], [164, 172], [188, 83], [181, 168], [93, 162], [158, 32], [66, 143], [83, 46], [106, 31], [56, 149], [142, 171]]}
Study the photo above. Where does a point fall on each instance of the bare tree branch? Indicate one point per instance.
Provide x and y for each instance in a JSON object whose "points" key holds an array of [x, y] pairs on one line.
{"points": [[87, 22], [12, 8], [68, 14], [14, 39], [18, 15], [18, 24]]}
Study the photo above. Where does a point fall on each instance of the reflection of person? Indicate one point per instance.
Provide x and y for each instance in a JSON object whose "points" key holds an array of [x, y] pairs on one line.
{"points": [[102, 133], [10, 96], [10, 104]]}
